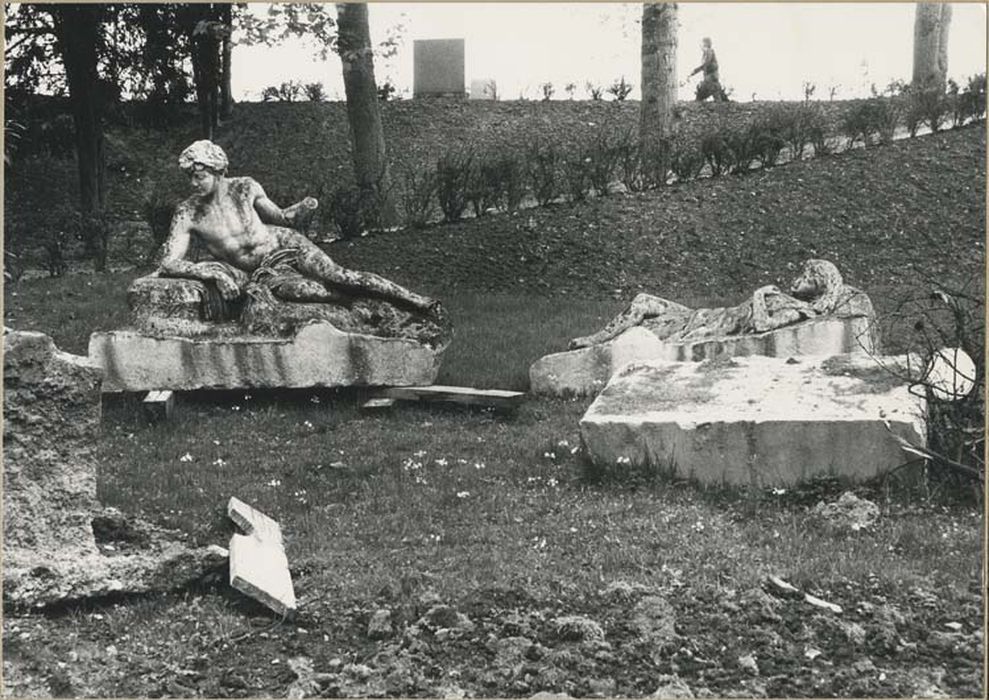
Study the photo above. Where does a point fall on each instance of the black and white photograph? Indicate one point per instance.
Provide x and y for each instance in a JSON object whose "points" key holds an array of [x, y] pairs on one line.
{"points": [[494, 350]]}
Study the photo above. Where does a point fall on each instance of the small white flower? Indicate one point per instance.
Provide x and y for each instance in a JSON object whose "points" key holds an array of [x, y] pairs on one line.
{"points": [[314, 399], [307, 424], [463, 494], [479, 465], [779, 492], [235, 408], [420, 454], [441, 462], [624, 460], [275, 482], [248, 397], [549, 455], [186, 457], [552, 482], [219, 462]]}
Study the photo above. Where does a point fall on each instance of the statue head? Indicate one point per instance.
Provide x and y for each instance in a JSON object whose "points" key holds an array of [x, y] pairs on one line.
{"points": [[706, 42], [819, 284], [205, 163]]}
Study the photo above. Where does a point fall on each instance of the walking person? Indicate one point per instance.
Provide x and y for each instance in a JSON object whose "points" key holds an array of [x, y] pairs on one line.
{"points": [[710, 86]]}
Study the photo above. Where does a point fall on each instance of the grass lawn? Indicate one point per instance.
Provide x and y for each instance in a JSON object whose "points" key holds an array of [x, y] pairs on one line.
{"points": [[497, 516]]}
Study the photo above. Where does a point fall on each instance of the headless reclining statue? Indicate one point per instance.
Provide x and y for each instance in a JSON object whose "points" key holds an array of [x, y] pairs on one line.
{"points": [[268, 275], [818, 291]]}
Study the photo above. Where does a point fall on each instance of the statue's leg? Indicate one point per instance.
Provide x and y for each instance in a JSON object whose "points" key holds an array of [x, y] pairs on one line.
{"points": [[314, 263], [302, 289], [643, 306]]}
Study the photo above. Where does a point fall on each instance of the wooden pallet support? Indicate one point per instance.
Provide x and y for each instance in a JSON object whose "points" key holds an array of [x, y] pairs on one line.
{"points": [[158, 405], [493, 398], [377, 404]]}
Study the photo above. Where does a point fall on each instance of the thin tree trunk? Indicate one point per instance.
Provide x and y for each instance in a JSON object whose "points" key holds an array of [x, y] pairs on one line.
{"points": [[206, 67], [363, 114], [659, 81], [226, 94], [78, 34], [930, 45]]}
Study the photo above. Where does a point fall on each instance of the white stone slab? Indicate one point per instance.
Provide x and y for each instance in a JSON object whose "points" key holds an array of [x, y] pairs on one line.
{"points": [[755, 420], [258, 564], [259, 568], [585, 371], [253, 522], [318, 355]]}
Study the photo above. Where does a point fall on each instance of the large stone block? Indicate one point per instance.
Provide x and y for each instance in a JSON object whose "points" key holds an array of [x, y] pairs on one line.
{"points": [[438, 67], [51, 428], [587, 370], [51, 423], [318, 355], [755, 420]]}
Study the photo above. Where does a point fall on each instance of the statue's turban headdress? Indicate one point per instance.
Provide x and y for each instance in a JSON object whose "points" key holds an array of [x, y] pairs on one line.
{"points": [[204, 154]]}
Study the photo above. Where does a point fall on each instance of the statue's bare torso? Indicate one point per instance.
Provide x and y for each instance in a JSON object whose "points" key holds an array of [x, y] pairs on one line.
{"points": [[229, 224]]}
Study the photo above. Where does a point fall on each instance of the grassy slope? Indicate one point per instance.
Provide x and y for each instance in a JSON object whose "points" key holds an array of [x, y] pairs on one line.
{"points": [[373, 507], [893, 219]]}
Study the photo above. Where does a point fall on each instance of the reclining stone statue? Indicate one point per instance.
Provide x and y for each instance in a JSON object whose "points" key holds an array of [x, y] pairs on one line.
{"points": [[265, 273], [821, 315], [819, 290]]}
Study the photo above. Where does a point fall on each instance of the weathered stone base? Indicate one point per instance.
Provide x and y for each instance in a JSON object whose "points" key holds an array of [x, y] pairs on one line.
{"points": [[587, 370], [51, 550], [318, 355], [754, 420]]}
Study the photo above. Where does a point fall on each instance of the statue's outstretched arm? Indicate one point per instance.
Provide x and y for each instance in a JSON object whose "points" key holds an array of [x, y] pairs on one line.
{"points": [[772, 309], [295, 216]]}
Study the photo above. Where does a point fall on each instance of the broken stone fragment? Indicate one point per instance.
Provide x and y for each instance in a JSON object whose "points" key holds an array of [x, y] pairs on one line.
{"points": [[258, 564], [672, 687], [577, 628], [53, 522], [379, 627], [848, 514]]}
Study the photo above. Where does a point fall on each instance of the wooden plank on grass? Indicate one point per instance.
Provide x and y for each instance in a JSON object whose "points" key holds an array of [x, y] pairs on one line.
{"points": [[158, 405], [377, 404], [258, 564], [497, 398]]}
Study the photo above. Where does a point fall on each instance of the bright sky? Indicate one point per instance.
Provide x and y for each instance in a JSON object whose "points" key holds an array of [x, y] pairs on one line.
{"points": [[765, 49]]}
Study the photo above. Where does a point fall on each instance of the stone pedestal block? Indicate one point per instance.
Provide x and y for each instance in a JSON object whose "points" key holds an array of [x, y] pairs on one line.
{"points": [[756, 421], [318, 355]]}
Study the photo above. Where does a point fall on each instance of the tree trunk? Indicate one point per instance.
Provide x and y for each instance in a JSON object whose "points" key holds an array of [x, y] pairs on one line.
{"points": [[356, 55], [226, 95], [659, 81], [78, 34], [205, 41], [930, 45]]}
